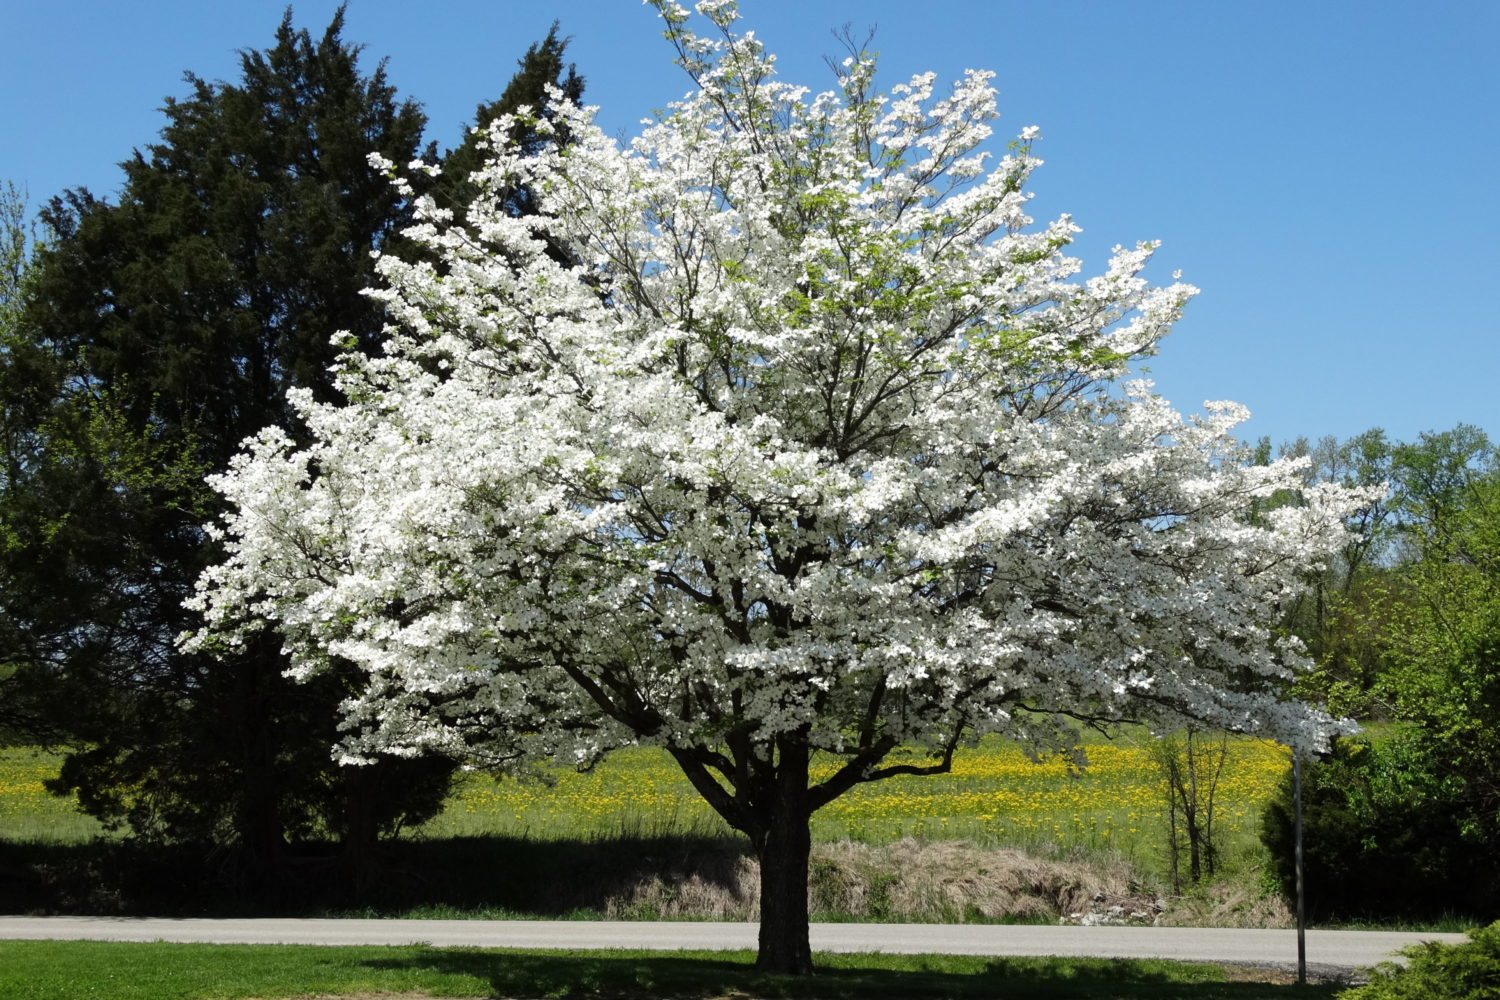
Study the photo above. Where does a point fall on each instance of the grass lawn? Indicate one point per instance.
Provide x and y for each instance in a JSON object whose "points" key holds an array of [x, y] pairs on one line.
{"points": [[69, 970]]}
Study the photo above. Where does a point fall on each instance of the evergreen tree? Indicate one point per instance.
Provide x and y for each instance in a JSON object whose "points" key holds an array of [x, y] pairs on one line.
{"points": [[157, 333], [176, 319]]}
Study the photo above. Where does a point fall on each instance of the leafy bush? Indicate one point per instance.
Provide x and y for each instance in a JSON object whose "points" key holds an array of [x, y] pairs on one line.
{"points": [[1468, 971], [1386, 833]]}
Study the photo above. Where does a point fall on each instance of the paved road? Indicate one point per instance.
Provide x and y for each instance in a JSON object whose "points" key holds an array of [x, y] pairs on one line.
{"points": [[1328, 950]]}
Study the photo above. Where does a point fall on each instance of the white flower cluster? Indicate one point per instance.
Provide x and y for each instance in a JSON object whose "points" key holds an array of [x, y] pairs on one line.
{"points": [[814, 432]]}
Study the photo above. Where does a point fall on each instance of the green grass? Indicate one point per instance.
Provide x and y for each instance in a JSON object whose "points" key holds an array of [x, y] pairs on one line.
{"points": [[1448, 923], [69, 970]]}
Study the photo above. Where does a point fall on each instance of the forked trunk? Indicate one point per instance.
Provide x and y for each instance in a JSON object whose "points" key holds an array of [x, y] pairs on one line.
{"points": [[783, 850]]}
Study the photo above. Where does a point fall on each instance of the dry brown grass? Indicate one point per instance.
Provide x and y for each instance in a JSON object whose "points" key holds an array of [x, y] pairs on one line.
{"points": [[931, 882], [1228, 903], [954, 880], [696, 887], [908, 881]]}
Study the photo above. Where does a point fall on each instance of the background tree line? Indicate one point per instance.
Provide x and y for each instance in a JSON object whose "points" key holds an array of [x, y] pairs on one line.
{"points": [[143, 339], [1405, 626]]}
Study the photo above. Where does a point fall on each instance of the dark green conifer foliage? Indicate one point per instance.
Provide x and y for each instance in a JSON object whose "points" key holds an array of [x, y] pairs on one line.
{"points": [[240, 244], [156, 332], [541, 67], [173, 321]]}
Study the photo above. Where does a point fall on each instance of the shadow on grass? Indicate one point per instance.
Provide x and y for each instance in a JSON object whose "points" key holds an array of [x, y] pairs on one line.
{"points": [[700, 976]]}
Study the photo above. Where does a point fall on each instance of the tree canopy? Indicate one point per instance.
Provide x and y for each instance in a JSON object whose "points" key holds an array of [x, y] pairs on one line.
{"points": [[809, 451]]}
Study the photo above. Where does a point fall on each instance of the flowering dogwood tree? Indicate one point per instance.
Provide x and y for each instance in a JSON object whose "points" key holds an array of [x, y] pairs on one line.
{"points": [[813, 464]]}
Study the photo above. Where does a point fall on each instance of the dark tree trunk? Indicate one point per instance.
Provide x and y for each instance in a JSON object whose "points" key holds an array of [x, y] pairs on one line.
{"points": [[783, 849], [259, 822], [361, 836]]}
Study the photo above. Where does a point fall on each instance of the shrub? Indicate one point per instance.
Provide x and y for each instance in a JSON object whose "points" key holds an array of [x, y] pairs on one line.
{"points": [[1385, 834], [1468, 971]]}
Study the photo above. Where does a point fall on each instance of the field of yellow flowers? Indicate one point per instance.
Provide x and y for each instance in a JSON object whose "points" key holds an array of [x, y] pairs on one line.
{"points": [[994, 797]]}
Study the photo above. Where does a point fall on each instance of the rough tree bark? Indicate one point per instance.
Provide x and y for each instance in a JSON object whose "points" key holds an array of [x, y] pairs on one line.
{"points": [[783, 845]]}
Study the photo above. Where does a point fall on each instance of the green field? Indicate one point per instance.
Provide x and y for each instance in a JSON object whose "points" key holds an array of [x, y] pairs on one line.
{"points": [[994, 797], [28, 811], [631, 840]]}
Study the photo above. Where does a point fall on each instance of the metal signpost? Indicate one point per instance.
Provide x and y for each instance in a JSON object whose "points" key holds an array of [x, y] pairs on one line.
{"points": [[1297, 841]]}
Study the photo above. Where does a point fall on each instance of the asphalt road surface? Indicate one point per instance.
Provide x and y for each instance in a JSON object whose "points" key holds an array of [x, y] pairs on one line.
{"points": [[1327, 951]]}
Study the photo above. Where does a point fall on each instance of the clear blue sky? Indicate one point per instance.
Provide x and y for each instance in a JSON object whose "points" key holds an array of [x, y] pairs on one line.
{"points": [[1327, 171]]}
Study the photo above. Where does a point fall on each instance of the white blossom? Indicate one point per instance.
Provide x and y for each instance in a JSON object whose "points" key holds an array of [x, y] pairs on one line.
{"points": [[818, 434]]}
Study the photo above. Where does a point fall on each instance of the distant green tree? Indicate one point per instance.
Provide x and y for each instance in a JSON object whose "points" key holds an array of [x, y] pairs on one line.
{"points": [[14, 252], [1410, 822], [16, 437], [1339, 617], [1443, 639]]}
